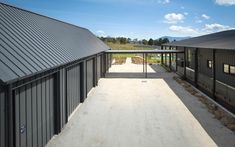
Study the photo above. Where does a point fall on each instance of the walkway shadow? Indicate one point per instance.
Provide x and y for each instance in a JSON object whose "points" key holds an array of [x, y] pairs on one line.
{"points": [[211, 125]]}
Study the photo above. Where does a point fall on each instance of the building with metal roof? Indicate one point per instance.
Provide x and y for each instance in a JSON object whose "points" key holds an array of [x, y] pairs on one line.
{"points": [[47, 68], [208, 63], [31, 43], [220, 40]]}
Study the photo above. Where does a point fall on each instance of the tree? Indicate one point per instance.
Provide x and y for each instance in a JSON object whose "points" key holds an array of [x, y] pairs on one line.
{"points": [[123, 40], [165, 40], [150, 42], [144, 41], [155, 42]]}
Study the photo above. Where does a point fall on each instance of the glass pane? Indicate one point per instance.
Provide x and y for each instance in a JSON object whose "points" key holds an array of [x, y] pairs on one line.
{"points": [[226, 68], [232, 69]]}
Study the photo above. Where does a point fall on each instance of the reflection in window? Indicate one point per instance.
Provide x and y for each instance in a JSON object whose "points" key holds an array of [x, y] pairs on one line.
{"points": [[189, 58]]}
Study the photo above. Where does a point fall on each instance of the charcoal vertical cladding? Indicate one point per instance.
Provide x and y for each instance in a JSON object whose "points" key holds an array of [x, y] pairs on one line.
{"points": [[2, 118], [210, 79], [47, 67], [99, 62], [90, 74], [73, 88], [34, 114]]}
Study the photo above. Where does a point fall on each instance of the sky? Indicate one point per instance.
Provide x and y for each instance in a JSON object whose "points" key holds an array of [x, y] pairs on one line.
{"points": [[141, 19]]}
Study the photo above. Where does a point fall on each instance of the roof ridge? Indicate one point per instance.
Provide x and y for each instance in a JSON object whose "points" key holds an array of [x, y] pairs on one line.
{"points": [[1, 3]]}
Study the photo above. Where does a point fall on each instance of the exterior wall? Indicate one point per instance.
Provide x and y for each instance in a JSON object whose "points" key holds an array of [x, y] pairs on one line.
{"points": [[34, 113], [2, 119], [62, 96], [205, 74], [190, 53], [99, 67], [180, 62], [225, 83], [73, 88], [42, 105], [90, 74]]}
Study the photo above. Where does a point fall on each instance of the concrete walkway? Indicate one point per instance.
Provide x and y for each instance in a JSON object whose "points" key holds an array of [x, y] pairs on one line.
{"points": [[142, 113]]}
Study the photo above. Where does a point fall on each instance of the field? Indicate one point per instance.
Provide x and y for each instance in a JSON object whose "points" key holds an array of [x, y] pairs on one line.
{"points": [[120, 57], [117, 46]]}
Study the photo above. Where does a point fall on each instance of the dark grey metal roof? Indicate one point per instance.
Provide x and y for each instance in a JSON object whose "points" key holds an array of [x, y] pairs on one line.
{"points": [[220, 40], [143, 51], [30, 43]]}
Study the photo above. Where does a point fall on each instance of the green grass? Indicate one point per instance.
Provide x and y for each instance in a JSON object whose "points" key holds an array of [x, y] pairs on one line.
{"points": [[117, 46]]}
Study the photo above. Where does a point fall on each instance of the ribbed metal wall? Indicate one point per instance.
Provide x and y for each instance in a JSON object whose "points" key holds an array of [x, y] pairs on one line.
{"points": [[203, 56], [205, 74], [90, 74], [98, 68], [225, 83], [73, 88], [2, 119], [63, 97], [34, 113]]}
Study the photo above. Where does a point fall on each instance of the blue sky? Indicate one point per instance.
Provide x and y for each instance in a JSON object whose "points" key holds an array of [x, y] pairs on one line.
{"points": [[139, 18]]}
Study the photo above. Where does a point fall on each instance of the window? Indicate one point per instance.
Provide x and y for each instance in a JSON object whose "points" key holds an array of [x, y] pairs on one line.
{"points": [[189, 58], [209, 64], [232, 70], [226, 68]]}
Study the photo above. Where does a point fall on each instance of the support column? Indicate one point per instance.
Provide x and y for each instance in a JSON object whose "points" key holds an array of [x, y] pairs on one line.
{"points": [[146, 64], [185, 63], [143, 63], [176, 60], [196, 68], [161, 56], [95, 71], [214, 74], [83, 81], [57, 102], [9, 117], [170, 63]]}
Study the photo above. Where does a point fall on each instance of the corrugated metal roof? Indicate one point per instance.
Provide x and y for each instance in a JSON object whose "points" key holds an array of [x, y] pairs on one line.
{"points": [[220, 40], [30, 43]]}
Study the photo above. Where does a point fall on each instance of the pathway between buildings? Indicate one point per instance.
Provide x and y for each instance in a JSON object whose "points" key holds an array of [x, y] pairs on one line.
{"points": [[156, 112]]}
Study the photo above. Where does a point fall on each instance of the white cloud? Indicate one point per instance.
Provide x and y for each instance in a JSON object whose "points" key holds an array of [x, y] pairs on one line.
{"points": [[205, 16], [215, 27], [174, 18], [101, 33], [163, 1], [225, 2], [184, 30]]}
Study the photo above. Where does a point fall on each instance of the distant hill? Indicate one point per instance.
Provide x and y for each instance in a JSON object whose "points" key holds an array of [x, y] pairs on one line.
{"points": [[170, 38]]}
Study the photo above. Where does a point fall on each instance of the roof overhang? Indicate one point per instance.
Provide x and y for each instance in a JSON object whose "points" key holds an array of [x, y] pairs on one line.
{"points": [[143, 51]]}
